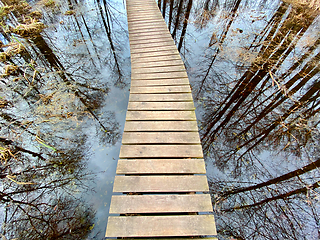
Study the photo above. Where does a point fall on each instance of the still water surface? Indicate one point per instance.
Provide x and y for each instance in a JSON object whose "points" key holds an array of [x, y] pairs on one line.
{"points": [[254, 71]]}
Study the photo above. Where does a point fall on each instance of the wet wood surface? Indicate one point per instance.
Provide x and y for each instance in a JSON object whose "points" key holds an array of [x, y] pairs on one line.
{"points": [[160, 168]]}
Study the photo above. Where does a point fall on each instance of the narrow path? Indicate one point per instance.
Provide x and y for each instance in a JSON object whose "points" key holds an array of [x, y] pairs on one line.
{"points": [[161, 189]]}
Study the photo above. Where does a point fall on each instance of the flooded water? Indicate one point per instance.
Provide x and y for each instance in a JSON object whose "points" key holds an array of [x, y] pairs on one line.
{"points": [[254, 71]]}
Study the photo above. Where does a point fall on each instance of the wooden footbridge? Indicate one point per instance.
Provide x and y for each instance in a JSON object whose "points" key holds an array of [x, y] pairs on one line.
{"points": [[160, 188]]}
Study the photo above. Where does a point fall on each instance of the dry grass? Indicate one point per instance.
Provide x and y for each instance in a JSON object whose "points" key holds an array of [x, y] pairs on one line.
{"points": [[9, 69], [313, 4], [4, 11], [32, 27], [36, 14], [3, 103], [68, 13], [13, 48], [5, 155]]}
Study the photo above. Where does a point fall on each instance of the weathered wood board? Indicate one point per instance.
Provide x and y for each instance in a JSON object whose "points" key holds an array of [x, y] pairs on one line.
{"points": [[179, 97], [161, 226], [160, 138], [161, 89], [161, 166], [162, 183], [161, 106], [161, 203], [161, 151], [161, 126], [160, 115], [162, 82]]}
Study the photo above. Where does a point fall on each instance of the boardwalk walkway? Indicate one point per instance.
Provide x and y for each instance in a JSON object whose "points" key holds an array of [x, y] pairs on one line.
{"points": [[161, 172]]}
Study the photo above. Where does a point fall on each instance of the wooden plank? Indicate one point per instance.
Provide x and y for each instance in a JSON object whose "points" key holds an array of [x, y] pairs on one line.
{"points": [[150, 126], [160, 75], [156, 20], [161, 203], [144, 19], [151, 45], [175, 97], [161, 106], [142, 12], [161, 166], [141, 38], [160, 137], [137, 9], [153, 49], [147, 26], [157, 32], [161, 226], [147, 64], [140, 23], [162, 82], [143, 22], [136, 60], [142, 5], [149, 31], [161, 89], [155, 40], [160, 115], [154, 54], [159, 69], [139, 13], [161, 151], [162, 183]]}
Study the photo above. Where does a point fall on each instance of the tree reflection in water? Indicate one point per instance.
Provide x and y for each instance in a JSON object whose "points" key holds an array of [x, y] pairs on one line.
{"points": [[51, 95], [257, 86]]}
